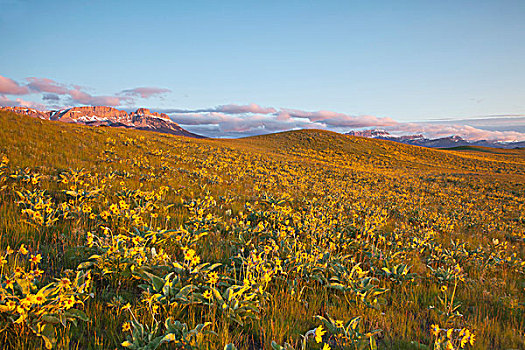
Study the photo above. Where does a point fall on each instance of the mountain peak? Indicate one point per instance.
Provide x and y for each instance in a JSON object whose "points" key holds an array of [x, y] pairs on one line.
{"points": [[141, 119], [143, 111], [420, 140]]}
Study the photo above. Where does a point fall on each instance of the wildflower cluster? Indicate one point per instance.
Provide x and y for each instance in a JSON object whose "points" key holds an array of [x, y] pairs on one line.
{"points": [[306, 239], [26, 302], [451, 338]]}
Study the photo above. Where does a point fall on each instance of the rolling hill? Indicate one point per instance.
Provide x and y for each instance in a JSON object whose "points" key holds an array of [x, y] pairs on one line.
{"points": [[121, 238]]}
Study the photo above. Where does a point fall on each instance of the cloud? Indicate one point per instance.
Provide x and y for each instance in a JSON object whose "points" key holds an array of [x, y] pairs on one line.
{"points": [[11, 87], [84, 98], [18, 102], [235, 120], [46, 85], [50, 97], [52, 91], [241, 109], [144, 92], [253, 119], [335, 119], [465, 131], [221, 124], [503, 122], [228, 109]]}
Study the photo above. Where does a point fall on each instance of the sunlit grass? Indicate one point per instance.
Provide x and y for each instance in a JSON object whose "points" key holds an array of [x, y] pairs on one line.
{"points": [[253, 239]]}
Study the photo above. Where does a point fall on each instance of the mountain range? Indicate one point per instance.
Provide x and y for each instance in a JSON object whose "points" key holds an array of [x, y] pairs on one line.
{"points": [[144, 119], [443, 142], [141, 119]]}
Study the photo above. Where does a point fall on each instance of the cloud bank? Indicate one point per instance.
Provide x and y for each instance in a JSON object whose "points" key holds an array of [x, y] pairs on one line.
{"points": [[246, 120], [237, 120], [57, 94]]}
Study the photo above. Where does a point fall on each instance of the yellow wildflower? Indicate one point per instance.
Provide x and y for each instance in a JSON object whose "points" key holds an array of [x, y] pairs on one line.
{"points": [[39, 298], [9, 283], [449, 333], [69, 303], [64, 283], [170, 337], [319, 332], [23, 250], [213, 277], [35, 259], [434, 329]]}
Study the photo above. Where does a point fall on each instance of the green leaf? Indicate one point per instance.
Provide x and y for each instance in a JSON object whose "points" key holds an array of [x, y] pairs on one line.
{"points": [[48, 334], [186, 291], [217, 295], [157, 282], [81, 315], [50, 319], [276, 346]]}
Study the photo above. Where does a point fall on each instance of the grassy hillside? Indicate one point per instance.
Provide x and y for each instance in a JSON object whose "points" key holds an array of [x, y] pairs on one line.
{"points": [[113, 238]]}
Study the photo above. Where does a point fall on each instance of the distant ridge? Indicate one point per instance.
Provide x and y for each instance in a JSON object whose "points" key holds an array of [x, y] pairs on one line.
{"points": [[444, 142], [141, 119]]}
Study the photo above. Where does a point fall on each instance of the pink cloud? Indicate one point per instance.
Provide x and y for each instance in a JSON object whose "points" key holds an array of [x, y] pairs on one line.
{"points": [[46, 85], [11, 87], [18, 102], [51, 90], [239, 124], [252, 118], [242, 109], [465, 131], [335, 119], [84, 98], [252, 108], [241, 121], [145, 92]]}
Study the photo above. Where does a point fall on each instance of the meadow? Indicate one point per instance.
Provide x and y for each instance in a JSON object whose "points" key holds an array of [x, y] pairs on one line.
{"points": [[113, 238]]}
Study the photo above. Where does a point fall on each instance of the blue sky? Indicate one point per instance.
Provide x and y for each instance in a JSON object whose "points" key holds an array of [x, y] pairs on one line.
{"points": [[411, 61]]}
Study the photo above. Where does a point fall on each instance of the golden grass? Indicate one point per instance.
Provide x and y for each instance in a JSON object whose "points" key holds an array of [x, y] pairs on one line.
{"points": [[303, 224]]}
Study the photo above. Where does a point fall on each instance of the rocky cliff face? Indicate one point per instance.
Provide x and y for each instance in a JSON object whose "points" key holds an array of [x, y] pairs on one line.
{"points": [[141, 119], [27, 111]]}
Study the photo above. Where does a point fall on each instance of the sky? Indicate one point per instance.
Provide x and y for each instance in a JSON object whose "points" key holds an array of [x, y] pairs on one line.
{"points": [[237, 68]]}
